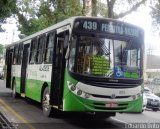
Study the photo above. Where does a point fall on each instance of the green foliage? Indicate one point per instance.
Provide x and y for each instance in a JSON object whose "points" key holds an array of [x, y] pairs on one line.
{"points": [[102, 10], [34, 16], [67, 9], [114, 8], [1, 49], [155, 13], [7, 7], [94, 8]]}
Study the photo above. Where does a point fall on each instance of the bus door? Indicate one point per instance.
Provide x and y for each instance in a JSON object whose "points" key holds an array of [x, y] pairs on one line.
{"points": [[24, 69], [57, 73], [9, 60]]}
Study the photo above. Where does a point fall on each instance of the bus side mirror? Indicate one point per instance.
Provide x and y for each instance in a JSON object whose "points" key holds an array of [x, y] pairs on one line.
{"points": [[67, 53]]}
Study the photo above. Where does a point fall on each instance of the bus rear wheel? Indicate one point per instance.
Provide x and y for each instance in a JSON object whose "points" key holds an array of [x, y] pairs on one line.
{"points": [[47, 109]]}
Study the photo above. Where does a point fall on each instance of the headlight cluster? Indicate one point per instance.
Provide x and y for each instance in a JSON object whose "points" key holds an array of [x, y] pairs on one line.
{"points": [[136, 96], [77, 91]]}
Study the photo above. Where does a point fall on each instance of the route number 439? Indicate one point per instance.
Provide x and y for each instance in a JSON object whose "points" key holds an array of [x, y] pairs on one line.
{"points": [[89, 25]]}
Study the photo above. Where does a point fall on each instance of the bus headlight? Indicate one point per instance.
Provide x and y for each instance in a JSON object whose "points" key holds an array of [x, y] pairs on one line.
{"points": [[134, 97], [138, 95], [73, 88], [79, 92], [86, 95]]}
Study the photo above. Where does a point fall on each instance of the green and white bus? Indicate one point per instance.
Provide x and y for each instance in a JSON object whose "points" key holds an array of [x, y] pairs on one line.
{"points": [[82, 64]]}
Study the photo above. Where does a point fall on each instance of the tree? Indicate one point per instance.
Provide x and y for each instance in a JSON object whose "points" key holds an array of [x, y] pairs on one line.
{"points": [[155, 13], [111, 8], [94, 8], [132, 5], [7, 7], [34, 17], [1, 51]]}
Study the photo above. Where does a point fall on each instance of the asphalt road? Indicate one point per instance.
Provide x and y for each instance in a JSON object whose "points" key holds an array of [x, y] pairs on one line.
{"points": [[28, 115]]}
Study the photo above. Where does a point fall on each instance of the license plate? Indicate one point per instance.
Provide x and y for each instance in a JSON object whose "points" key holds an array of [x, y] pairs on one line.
{"points": [[154, 103], [111, 105]]}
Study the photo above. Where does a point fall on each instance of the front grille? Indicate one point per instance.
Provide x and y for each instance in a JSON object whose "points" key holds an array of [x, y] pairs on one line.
{"points": [[112, 108], [149, 99], [102, 106], [151, 105], [111, 85], [154, 100], [110, 97]]}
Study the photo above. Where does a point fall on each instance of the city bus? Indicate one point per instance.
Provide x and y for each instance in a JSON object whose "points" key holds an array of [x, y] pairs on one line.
{"points": [[82, 64]]}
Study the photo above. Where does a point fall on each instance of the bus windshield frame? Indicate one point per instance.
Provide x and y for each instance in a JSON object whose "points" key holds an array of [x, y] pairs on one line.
{"points": [[124, 47]]}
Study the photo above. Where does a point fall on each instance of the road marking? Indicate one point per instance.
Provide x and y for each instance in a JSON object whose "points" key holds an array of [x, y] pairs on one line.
{"points": [[11, 110], [119, 120]]}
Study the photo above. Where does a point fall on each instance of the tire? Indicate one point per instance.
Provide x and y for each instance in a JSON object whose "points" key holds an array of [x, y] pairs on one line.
{"points": [[155, 110], [14, 93], [47, 109], [142, 111]]}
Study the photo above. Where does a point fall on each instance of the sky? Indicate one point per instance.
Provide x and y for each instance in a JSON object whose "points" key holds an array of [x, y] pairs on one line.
{"points": [[141, 18], [11, 33]]}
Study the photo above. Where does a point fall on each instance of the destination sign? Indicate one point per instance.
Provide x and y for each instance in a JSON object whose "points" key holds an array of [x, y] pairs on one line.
{"points": [[106, 26]]}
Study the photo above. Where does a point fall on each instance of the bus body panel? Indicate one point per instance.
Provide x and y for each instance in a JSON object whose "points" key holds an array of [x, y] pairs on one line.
{"points": [[74, 102], [77, 95], [37, 76]]}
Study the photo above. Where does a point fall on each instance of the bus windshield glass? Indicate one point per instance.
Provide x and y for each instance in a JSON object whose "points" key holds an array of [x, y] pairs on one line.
{"points": [[105, 57]]}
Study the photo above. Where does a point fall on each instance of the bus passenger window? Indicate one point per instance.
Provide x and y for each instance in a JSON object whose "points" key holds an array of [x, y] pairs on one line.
{"points": [[15, 55], [49, 48], [33, 51], [20, 53], [39, 55]]}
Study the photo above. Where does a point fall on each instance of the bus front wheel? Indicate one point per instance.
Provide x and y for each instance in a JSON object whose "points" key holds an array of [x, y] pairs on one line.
{"points": [[47, 109]]}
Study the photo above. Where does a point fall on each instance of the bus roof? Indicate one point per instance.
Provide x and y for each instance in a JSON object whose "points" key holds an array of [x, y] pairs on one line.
{"points": [[63, 23]]}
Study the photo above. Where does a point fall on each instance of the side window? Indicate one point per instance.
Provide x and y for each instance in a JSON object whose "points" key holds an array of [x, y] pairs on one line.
{"points": [[20, 54], [33, 51], [40, 49], [15, 54], [132, 58], [49, 48]]}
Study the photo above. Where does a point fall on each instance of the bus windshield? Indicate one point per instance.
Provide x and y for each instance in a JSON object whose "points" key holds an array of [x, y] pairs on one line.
{"points": [[105, 57]]}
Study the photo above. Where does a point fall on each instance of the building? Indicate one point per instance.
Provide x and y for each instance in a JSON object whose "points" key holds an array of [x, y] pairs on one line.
{"points": [[152, 72]]}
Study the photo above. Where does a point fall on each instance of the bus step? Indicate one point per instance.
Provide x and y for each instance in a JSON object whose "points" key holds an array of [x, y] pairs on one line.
{"points": [[23, 95]]}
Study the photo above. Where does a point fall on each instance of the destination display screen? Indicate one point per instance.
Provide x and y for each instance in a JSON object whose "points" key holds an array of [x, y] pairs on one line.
{"points": [[106, 26]]}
